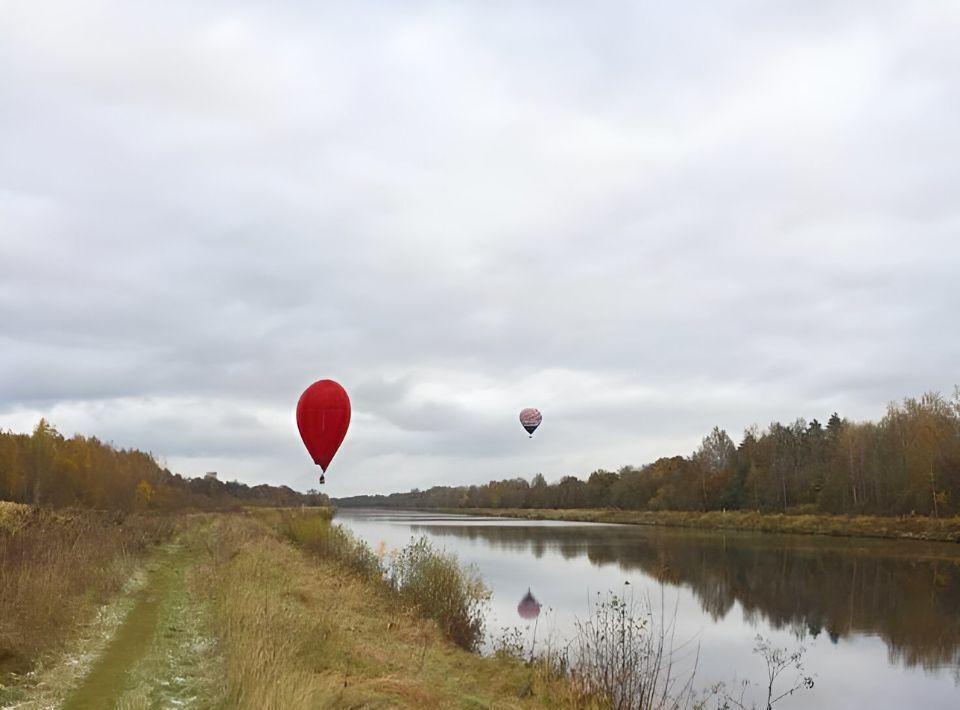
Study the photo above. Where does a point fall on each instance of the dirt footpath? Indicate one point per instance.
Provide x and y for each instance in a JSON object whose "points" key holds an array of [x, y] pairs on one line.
{"points": [[151, 649]]}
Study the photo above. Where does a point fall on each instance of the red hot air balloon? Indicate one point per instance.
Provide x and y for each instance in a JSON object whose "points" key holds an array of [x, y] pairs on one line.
{"points": [[530, 418], [529, 607], [323, 415]]}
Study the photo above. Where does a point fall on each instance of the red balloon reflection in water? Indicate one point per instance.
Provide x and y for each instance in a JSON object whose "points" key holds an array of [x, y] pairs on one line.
{"points": [[323, 416], [529, 607]]}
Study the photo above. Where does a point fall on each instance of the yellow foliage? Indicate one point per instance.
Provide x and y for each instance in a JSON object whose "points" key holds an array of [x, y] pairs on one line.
{"points": [[145, 493]]}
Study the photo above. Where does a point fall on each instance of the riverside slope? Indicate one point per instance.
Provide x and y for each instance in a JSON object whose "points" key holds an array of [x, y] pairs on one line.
{"points": [[894, 528]]}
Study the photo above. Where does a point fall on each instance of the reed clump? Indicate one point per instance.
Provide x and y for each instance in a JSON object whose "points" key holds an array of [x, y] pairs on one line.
{"points": [[625, 654], [622, 656]]}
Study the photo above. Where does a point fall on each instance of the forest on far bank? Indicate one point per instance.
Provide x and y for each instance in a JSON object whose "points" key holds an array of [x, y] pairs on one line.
{"points": [[47, 469], [908, 463]]}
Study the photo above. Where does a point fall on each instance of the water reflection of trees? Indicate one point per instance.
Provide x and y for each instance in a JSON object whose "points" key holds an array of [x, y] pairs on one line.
{"points": [[908, 594]]}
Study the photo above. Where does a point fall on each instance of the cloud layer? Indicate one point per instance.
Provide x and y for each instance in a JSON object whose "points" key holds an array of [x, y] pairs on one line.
{"points": [[642, 219]]}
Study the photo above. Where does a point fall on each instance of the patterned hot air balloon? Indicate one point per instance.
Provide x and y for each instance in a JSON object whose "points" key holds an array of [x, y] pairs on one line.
{"points": [[323, 415], [530, 418]]}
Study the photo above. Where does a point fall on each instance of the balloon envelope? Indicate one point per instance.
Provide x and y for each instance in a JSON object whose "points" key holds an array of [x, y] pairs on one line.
{"points": [[530, 418], [323, 415], [529, 607]]}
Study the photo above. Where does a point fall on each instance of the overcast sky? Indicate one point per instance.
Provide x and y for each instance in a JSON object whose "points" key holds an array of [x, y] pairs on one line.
{"points": [[643, 218]]}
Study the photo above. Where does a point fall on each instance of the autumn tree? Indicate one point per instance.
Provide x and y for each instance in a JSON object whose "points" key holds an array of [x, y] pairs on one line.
{"points": [[716, 460]]}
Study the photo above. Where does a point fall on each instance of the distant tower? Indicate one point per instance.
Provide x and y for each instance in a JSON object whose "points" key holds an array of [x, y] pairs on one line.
{"points": [[210, 476]]}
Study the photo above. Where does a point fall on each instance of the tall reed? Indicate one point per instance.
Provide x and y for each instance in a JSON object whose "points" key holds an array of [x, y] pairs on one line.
{"points": [[625, 652], [267, 641]]}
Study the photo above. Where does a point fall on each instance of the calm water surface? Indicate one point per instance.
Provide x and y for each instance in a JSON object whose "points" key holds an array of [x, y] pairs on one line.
{"points": [[880, 620]]}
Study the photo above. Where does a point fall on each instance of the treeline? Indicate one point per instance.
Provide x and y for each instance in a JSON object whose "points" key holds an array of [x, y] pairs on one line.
{"points": [[907, 463], [46, 469]]}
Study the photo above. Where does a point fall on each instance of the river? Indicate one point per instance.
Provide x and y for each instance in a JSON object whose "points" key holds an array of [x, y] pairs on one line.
{"points": [[879, 620]]}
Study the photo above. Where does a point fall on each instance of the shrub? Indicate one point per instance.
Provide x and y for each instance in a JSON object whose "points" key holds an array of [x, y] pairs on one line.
{"points": [[456, 598]]}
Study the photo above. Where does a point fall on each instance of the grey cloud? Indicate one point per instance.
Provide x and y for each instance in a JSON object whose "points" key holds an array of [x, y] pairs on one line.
{"points": [[644, 219]]}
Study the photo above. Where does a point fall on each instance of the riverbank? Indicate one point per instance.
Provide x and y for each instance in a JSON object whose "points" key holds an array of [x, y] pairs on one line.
{"points": [[903, 528], [232, 613]]}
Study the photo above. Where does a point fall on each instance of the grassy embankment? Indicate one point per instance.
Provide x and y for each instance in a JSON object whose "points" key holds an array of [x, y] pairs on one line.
{"points": [[264, 610], [907, 528], [323, 629]]}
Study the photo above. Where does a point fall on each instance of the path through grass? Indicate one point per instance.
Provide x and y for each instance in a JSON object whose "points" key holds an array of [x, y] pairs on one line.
{"points": [[232, 615], [160, 652], [160, 656]]}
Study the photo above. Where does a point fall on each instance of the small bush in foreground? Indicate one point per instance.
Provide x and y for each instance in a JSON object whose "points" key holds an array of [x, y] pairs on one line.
{"points": [[456, 598]]}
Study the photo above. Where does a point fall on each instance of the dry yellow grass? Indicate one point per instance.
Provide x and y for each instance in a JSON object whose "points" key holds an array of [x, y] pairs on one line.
{"points": [[285, 629], [297, 632], [57, 568], [12, 515]]}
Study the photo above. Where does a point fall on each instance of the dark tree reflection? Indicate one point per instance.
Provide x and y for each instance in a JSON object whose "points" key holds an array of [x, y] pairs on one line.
{"points": [[907, 593]]}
